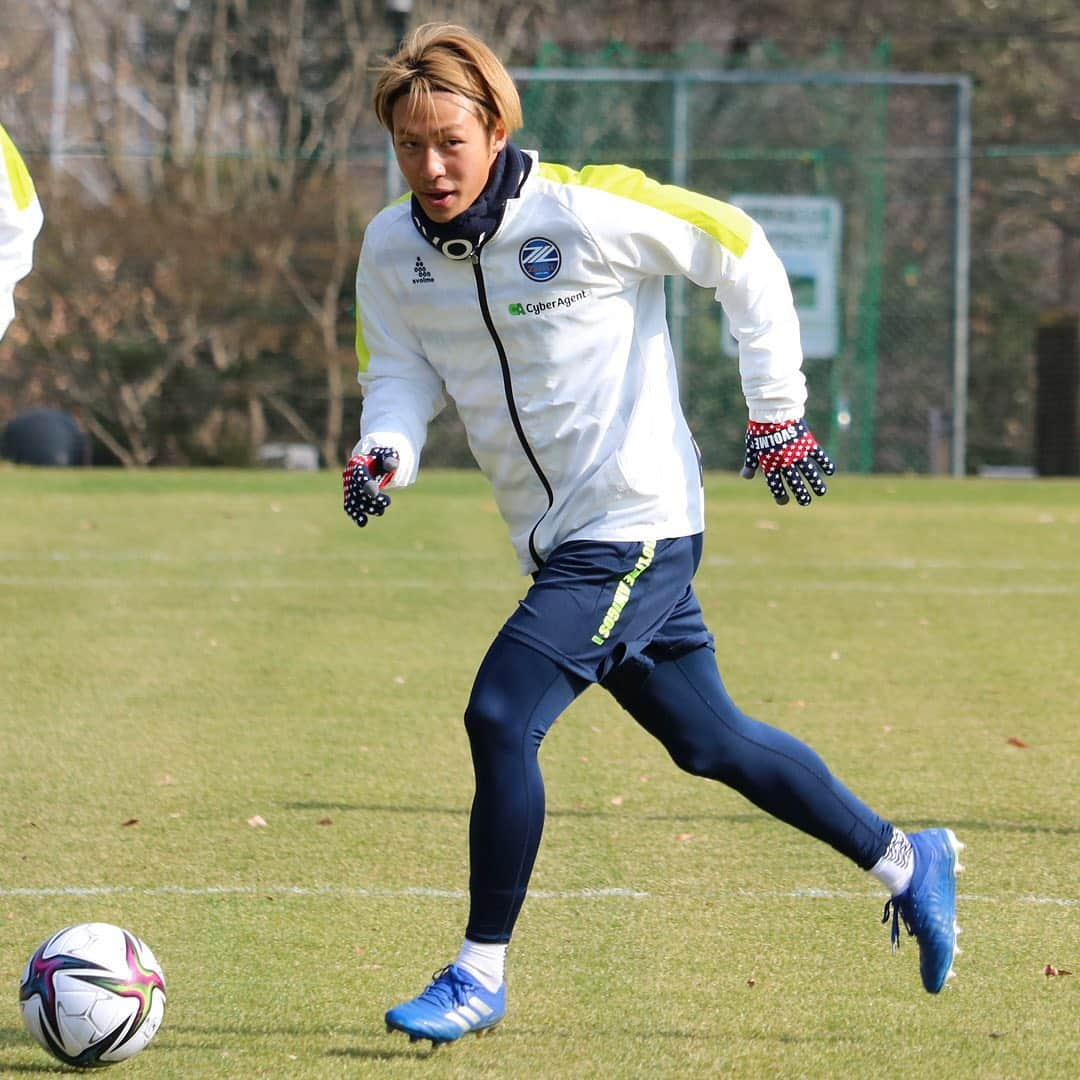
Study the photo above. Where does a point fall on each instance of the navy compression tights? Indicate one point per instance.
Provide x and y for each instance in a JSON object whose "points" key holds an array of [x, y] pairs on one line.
{"points": [[519, 693]]}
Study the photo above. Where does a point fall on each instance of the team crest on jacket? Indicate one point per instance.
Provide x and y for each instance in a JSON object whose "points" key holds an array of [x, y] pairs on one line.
{"points": [[539, 259]]}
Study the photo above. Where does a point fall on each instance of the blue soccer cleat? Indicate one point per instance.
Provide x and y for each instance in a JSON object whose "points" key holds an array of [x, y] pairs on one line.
{"points": [[928, 905], [453, 1005]]}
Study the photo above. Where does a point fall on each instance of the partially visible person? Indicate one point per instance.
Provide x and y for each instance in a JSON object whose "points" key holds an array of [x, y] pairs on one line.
{"points": [[20, 222]]}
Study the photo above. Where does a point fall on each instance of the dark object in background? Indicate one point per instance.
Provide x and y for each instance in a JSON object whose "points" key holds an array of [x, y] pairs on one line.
{"points": [[1057, 369], [45, 437]]}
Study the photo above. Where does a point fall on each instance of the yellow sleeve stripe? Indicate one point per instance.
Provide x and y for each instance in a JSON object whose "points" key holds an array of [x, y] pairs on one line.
{"points": [[726, 224], [363, 355], [22, 187]]}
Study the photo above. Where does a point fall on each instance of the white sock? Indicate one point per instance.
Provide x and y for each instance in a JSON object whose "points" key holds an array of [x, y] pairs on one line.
{"points": [[486, 963], [895, 867]]}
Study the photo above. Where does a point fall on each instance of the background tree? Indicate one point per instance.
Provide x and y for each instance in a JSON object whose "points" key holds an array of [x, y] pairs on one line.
{"points": [[208, 167]]}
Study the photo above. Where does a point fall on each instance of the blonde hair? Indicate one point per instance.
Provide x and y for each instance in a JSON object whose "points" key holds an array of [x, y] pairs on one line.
{"points": [[443, 58]]}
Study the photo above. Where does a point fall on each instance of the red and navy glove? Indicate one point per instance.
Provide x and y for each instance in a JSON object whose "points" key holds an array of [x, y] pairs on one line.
{"points": [[363, 479], [782, 450]]}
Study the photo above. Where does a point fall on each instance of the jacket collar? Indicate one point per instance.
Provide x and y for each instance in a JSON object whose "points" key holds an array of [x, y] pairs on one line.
{"points": [[463, 236]]}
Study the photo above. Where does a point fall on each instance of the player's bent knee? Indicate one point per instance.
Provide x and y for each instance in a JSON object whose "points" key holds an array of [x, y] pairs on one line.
{"points": [[494, 718], [710, 762], [486, 717]]}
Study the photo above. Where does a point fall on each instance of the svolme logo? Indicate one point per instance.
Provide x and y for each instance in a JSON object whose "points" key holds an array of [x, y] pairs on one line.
{"points": [[539, 307], [421, 274]]}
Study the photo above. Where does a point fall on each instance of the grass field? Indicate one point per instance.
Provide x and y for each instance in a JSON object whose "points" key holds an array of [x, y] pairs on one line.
{"points": [[185, 653]]}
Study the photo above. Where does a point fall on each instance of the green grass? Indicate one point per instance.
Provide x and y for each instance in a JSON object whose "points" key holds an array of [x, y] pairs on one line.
{"points": [[188, 650]]}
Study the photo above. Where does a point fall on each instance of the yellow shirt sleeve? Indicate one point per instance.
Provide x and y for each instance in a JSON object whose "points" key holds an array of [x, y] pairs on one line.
{"points": [[20, 222], [16, 183]]}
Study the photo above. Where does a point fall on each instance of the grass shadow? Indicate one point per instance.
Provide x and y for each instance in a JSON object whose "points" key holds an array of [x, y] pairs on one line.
{"points": [[552, 812], [364, 1053], [748, 818]]}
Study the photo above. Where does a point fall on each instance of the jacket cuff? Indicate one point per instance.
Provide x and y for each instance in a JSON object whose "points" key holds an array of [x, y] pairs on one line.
{"points": [[408, 462], [775, 416]]}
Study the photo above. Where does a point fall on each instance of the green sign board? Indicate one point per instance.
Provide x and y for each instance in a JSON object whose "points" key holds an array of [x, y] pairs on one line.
{"points": [[805, 231]]}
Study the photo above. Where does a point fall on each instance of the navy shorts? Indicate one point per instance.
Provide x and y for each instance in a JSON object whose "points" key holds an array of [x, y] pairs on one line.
{"points": [[598, 606]]}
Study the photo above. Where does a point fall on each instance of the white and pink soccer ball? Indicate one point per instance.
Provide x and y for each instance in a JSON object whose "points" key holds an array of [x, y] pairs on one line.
{"points": [[92, 994]]}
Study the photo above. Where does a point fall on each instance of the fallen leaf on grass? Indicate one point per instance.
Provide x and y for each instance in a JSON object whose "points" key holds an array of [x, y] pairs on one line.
{"points": [[257, 822], [130, 821], [1050, 970], [1012, 740], [617, 801], [326, 821]]}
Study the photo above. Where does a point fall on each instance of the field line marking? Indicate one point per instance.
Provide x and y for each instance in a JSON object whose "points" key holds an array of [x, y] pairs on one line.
{"points": [[604, 893], [487, 585], [844, 894], [338, 559], [242, 584], [299, 890]]}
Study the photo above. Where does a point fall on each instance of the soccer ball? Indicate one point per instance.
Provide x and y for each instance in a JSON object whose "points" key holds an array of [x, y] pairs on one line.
{"points": [[92, 994]]}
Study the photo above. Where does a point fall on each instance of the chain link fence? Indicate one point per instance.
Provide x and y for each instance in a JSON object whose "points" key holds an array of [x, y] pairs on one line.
{"points": [[892, 152]]}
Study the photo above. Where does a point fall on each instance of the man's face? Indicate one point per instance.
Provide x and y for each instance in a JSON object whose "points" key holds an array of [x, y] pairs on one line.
{"points": [[445, 155]]}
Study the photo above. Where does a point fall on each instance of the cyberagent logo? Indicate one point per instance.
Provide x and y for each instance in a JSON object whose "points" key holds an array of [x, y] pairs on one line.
{"points": [[539, 259], [558, 305]]}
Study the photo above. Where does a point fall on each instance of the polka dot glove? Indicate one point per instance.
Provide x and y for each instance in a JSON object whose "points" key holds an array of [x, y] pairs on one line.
{"points": [[363, 479], [782, 450]]}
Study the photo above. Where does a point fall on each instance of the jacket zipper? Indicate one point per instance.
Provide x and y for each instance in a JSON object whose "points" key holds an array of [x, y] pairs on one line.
{"points": [[508, 390]]}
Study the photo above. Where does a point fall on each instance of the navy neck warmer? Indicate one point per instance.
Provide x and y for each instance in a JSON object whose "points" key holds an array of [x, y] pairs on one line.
{"points": [[464, 235]]}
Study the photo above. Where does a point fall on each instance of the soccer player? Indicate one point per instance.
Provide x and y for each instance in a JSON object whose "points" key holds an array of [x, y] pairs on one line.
{"points": [[20, 222], [533, 295]]}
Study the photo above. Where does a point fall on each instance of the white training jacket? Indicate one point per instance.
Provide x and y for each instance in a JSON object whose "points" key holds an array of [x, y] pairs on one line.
{"points": [[553, 343], [20, 222]]}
